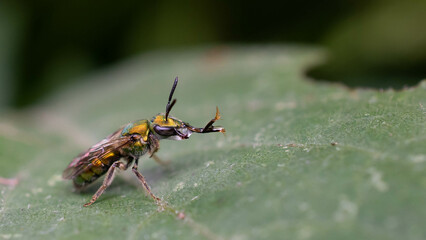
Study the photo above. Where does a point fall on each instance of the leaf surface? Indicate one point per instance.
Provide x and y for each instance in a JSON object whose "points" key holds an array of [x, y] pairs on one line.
{"points": [[300, 159]]}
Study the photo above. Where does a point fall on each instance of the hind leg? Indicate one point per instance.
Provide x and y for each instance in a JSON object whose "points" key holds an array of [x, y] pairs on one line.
{"points": [[143, 181], [107, 181]]}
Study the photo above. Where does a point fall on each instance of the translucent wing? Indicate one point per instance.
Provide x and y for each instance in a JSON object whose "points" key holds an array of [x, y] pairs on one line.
{"points": [[83, 161]]}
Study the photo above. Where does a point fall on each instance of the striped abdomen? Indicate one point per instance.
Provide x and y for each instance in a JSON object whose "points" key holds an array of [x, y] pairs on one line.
{"points": [[97, 167]]}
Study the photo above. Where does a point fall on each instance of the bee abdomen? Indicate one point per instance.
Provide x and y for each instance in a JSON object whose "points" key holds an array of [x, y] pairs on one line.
{"points": [[99, 166], [89, 176]]}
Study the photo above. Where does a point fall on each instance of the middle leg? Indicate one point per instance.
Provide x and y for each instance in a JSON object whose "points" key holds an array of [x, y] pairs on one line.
{"points": [[143, 181], [107, 181]]}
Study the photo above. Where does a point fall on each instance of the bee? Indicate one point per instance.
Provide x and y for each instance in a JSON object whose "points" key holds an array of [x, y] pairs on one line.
{"points": [[126, 145]]}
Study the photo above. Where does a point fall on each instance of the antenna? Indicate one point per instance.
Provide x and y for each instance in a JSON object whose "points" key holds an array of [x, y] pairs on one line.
{"points": [[170, 105]]}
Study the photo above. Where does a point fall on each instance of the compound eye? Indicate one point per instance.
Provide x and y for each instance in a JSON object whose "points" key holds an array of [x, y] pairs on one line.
{"points": [[165, 131]]}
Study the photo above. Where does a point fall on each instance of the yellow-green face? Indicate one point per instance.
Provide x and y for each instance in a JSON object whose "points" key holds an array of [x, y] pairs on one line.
{"points": [[172, 128], [160, 120]]}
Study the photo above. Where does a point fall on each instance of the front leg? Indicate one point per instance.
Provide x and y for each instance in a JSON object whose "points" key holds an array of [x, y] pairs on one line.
{"points": [[143, 181], [107, 181]]}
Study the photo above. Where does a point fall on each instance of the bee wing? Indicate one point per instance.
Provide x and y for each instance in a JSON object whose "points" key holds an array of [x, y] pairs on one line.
{"points": [[84, 159]]}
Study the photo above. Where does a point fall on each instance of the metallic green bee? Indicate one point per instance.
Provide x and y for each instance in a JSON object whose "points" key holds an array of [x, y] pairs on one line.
{"points": [[128, 144]]}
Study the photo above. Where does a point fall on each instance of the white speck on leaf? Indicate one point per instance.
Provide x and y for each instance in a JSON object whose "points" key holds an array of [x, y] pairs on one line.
{"points": [[376, 180], [304, 206], [220, 144], [179, 186], [258, 138], [209, 163], [194, 198], [6, 236], [36, 190], [418, 158], [51, 229], [346, 210], [305, 232], [239, 237], [10, 236], [279, 106], [54, 179]]}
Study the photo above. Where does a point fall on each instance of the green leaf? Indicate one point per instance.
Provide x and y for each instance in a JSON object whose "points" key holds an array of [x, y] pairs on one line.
{"points": [[300, 159]]}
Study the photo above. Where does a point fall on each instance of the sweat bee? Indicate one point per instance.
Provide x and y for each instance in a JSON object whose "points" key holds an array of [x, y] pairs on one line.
{"points": [[124, 147]]}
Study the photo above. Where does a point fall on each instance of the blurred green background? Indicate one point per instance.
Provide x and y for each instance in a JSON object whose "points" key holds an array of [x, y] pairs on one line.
{"points": [[48, 44]]}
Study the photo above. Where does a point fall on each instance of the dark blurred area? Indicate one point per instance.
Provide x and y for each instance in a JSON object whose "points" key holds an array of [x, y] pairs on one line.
{"points": [[46, 44]]}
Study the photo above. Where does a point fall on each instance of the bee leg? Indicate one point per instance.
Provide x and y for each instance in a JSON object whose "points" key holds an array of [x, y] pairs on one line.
{"points": [[107, 181], [159, 161], [143, 181]]}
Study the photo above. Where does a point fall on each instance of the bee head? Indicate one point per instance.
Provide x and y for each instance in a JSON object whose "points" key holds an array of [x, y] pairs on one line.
{"points": [[167, 127]]}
